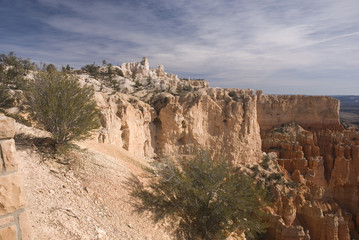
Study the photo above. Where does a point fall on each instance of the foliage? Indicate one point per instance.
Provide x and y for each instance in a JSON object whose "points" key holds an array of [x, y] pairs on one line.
{"points": [[265, 162], [92, 69], [138, 84], [62, 107], [12, 72], [67, 69], [5, 97], [210, 199], [51, 67]]}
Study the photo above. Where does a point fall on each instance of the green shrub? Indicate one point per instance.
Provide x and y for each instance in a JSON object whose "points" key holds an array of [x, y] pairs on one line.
{"points": [[12, 72], [265, 162], [211, 199], [62, 107], [91, 69]]}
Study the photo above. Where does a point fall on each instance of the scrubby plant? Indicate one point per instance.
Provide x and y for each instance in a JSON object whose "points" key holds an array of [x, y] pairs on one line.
{"points": [[12, 72], [265, 162], [91, 69], [51, 67], [138, 85], [209, 199], [62, 106]]}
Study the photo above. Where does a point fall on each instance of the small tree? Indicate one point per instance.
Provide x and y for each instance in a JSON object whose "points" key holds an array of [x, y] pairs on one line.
{"points": [[92, 69], [62, 106], [51, 67], [210, 199]]}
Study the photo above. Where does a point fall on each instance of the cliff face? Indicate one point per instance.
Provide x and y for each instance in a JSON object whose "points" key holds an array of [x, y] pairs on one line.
{"points": [[210, 119], [315, 152], [128, 123], [310, 112], [168, 125]]}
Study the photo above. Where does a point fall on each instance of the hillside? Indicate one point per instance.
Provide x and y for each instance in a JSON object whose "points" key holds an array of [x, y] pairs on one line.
{"points": [[83, 195]]}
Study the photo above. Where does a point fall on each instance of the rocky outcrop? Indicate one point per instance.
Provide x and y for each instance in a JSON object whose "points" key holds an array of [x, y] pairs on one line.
{"points": [[222, 121], [133, 77], [324, 165], [310, 112], [127, 122], [209, 119]]}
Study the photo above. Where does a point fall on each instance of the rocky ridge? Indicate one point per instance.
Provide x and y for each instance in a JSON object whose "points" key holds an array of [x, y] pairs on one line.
{"points": [[155, 113], [161, 115]]}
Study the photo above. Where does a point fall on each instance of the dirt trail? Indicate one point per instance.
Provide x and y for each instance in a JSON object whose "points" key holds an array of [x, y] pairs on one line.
{"points": [[86, 198]]}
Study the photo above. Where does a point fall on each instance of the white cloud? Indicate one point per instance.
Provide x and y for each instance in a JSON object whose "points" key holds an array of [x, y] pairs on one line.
{"points": [[231, 43]]}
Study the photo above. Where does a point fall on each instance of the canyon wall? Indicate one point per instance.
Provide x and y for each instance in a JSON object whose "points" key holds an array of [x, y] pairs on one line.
{"points": [[325, 165], [310, 112], [222, 121]]}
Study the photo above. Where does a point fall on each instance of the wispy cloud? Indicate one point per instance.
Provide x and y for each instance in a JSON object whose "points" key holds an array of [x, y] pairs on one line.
{"points": [[278, 46]]}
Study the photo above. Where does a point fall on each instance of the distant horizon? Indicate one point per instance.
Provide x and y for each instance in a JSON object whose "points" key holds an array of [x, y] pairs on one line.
{"points": [[296, 47]]}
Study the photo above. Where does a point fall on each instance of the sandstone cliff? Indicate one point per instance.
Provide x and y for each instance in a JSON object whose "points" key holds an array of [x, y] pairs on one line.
{"points": [[162, 115], [310, 112], [168, 125]]}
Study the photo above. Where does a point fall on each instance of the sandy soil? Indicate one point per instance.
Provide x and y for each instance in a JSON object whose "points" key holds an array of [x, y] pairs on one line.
{"points": [[84, 195]]}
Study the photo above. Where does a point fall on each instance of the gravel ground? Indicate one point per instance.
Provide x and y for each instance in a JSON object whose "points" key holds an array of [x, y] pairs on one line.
{"points": [[84, 195]]}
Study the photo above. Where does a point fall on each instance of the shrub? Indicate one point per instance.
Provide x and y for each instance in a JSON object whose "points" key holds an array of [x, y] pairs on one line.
{"points": [[91, 69], [12, 72], [51, 67], [265, 162], [210, 199], [62, 107]]}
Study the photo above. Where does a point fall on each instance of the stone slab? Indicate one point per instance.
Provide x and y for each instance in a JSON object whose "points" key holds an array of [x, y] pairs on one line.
{"points": [[25, 226], [8, 153], [8, 233], [11, 194], [7, 127], [6, 220]]}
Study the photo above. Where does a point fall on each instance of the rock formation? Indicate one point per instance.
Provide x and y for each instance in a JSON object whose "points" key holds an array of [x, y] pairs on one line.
{"points": [[161, 115], [168, 124], [310, 112], [324, 164]]}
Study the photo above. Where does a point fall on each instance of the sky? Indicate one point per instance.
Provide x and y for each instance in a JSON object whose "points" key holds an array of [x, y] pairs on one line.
{"points": [[278, 46]]}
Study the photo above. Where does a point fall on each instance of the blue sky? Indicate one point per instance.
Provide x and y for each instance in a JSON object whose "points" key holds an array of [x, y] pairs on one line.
{"points": [[279, 46]]}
